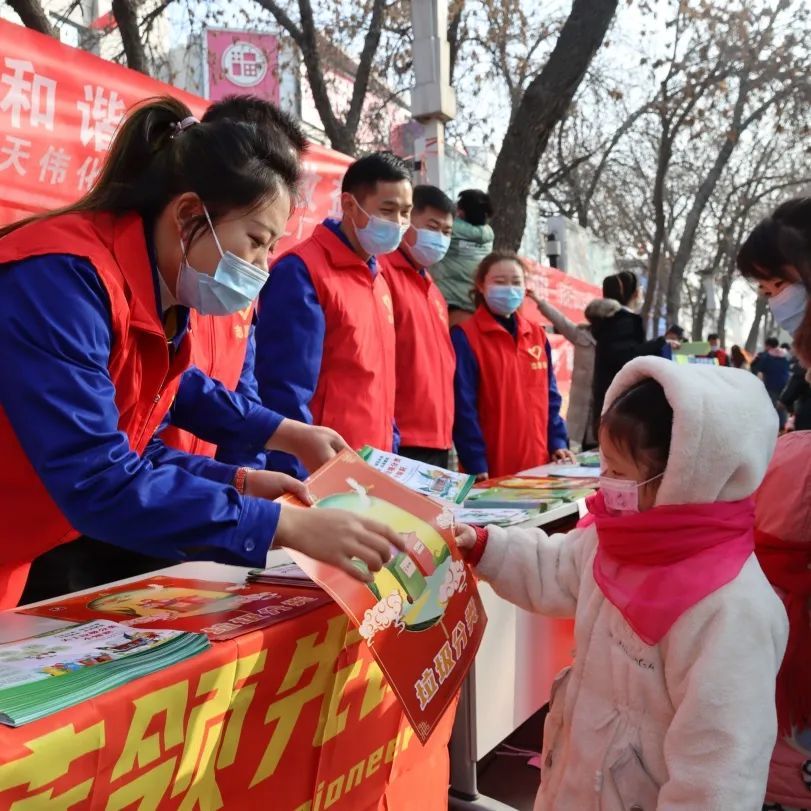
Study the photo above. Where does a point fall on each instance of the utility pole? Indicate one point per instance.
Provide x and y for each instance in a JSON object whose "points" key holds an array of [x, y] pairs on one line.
{"points": [[433, 100]]}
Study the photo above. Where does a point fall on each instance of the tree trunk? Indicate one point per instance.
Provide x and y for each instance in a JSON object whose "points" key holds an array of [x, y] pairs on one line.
{"points": [[692, 221], [33, 16], [542, 106], [754, 332], [455, 12], [655, 261], [126, 19], [699, 315], [723, 309]]}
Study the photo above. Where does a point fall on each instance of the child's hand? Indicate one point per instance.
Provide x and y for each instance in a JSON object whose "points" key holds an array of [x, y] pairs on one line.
{"points": [[483, 476], [337, 536], [564, 456], [465, 536]]}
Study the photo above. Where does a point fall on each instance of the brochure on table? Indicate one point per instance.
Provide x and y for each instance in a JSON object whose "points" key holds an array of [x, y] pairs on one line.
{"points": [[219, 610], [435, 482], [421, 616], [43, 674]]}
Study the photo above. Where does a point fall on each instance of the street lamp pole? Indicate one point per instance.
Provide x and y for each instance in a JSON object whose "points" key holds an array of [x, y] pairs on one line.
{"points": [[433, 101]]}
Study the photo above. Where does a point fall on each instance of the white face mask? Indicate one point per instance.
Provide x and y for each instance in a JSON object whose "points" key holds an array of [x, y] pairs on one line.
{"points": [[622, 495], [429, 247], [234, 286], [379, 236]]}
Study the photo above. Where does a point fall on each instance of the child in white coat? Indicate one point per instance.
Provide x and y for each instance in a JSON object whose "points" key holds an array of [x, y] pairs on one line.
{"points": [[670, 702]]}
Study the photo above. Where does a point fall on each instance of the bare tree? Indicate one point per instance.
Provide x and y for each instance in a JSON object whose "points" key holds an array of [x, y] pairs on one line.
{"points": [[341, 132], [542, 105], [767, 75]]}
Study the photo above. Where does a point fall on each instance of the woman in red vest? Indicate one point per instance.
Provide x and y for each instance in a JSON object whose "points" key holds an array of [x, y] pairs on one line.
{"points": [[507, 400], [94, 308]]}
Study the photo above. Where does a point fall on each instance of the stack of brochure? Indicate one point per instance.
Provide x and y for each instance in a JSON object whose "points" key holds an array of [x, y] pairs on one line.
{"points": [[41, 675]]}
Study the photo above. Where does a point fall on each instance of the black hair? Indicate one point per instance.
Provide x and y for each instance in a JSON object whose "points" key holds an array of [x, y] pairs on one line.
{"points": [[640, 421], [432, 197], [675, 329], [364, 174], [475, 206], [254, 110], [621, 286], [713, 336], [787, 347], [160, 151], [776, 243], [772, 342]]}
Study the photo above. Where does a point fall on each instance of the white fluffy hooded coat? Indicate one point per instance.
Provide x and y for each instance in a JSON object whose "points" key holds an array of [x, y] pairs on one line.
{"points": [[688, 724]]}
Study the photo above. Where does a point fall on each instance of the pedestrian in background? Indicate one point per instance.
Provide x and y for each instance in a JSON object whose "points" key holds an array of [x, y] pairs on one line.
{"points": [[471, 240]]}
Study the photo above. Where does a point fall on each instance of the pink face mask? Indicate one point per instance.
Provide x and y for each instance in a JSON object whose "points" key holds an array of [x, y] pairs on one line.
{"points": [[622, 495]]}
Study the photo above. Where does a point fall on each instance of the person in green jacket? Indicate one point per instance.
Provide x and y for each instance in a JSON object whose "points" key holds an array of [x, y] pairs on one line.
{"points": [[471, 241]]}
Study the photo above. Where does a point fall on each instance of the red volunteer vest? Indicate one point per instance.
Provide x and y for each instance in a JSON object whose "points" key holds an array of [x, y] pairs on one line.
{"points": [[355, 392], [513, 392], [145, 381], [218, 346], [424, 402]]}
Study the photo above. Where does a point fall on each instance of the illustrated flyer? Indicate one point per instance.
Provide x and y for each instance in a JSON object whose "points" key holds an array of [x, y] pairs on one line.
{"points": [[422, 616], [219, 610]]}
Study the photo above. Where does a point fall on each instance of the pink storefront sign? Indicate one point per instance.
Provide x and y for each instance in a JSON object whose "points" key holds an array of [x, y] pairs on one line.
{"points": [[242, 62]]}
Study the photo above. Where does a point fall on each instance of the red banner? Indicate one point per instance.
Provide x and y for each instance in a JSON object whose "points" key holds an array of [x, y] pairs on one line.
{"points": [[564, 292], [59, 108], [296, 717]]}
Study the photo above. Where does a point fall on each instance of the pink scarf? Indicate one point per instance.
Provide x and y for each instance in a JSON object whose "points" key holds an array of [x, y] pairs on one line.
{"points": [[655, 565]]}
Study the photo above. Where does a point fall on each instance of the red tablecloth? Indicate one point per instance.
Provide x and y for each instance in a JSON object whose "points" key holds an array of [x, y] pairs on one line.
{"points": [[293, 717]]}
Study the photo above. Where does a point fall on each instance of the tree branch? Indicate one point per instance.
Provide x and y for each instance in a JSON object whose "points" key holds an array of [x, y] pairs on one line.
{"points": [[542, 106], [33, 16], [126, 19], [370, 44]]}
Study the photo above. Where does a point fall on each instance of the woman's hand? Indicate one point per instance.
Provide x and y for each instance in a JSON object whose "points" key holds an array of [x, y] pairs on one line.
{"points": [[465, 536], [312, 445], [337, 536], [269, 484], [563, 456], [483, 476]]}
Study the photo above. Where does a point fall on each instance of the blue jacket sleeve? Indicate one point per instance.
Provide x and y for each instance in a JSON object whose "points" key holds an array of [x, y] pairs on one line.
{"points": [[206, 408], [290, 330], [69, 428], [232, 453], [557, 434], [159, 453], [467, 432]]}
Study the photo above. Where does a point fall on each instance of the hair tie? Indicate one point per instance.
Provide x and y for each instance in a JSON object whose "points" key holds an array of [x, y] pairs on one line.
{"points": [[187, 122]]}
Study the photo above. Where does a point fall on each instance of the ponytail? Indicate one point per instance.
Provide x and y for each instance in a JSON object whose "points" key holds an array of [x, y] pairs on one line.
{"points": [[160, 151]]}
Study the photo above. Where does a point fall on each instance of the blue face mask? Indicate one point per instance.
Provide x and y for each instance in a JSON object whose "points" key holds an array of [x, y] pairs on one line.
{"points": [[379, 236], [429, 247], [504, 299], [234, 286], [788, 307]]}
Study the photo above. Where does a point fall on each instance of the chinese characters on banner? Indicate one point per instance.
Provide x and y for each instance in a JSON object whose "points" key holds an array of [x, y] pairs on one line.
{"points": [[59, 108], [242, 62], [422, 616]]}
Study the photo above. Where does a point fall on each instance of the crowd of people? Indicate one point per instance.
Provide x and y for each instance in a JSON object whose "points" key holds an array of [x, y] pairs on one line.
{"points": [[398, 326]]}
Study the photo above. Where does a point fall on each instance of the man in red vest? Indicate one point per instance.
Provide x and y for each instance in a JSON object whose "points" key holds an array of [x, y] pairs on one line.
{"points": [[425, 357], [325, 345]]}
